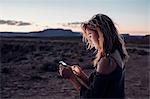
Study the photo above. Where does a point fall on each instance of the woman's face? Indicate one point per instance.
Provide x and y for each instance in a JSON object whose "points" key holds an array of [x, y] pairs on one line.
{"points": [[93, 37]]}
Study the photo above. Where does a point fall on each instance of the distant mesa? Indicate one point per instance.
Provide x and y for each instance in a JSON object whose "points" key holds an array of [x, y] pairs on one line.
{"points": [[68, 33], [136, 39], [44, 33]]}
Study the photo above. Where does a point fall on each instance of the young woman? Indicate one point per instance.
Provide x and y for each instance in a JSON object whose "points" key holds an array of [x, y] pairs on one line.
{"points": [[107, 80]]}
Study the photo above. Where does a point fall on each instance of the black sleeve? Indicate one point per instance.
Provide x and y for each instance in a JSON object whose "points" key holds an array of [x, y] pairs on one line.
{"points": [[98, 86], [84, 92]]}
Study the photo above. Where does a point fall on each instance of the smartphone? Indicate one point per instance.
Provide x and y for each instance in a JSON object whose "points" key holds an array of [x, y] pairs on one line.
{"points": [[63, 63], [78, 78]]}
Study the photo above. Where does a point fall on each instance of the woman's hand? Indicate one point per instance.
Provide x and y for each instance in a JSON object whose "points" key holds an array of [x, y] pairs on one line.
{"points": [[76, 70], [80, 73], [65, 72]]}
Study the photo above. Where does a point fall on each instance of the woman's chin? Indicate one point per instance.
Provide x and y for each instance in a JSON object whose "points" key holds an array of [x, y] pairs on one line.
{"points": [[96, 47]]}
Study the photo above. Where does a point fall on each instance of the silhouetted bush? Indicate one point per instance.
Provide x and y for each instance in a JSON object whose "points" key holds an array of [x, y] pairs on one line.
{"points": [[140, 52], [20, 59], [48, 66], [5, 70], [36, 77], [80, 59], [57, 60]]}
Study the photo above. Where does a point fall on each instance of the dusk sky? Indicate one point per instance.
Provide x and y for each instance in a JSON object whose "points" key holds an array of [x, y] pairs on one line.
{"points": [[131, 16]]}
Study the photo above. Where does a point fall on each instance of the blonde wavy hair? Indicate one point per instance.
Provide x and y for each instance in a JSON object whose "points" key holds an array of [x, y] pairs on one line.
{"points": [[109, 39]]}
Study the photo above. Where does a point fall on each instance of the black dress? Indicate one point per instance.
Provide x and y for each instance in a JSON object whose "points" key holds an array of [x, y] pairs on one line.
{"points": [[105, 86]]}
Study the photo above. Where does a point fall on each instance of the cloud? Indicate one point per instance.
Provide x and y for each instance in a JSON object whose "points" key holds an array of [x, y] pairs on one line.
{"points": [[72, 24], [13, 22]]}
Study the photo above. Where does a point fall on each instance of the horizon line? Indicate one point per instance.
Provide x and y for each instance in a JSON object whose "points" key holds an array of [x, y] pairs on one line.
{"points": [[129, 33]]}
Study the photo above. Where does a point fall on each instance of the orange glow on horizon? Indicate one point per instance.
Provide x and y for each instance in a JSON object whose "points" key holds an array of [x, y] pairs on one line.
{"points": [[33, 28]]}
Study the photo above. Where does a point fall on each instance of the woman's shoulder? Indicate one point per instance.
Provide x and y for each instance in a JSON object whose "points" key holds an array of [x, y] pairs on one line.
{"points": [[106, 65]]}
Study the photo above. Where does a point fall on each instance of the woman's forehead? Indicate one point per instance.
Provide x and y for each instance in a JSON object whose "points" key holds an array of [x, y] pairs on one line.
{"points": [[90, 30]]}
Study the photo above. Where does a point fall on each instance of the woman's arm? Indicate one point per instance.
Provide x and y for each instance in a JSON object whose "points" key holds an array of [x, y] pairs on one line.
{"points": [[75, 75], [80, 73], [84, 77], [77, 83]]}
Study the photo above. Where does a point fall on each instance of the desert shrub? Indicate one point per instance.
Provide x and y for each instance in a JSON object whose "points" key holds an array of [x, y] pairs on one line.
{"points": [[45, 47], [5, 48], [139, 52], [49, 66], [80, 59], [32, 48], [66, 50], [33, 67], [36, 77], [131, 50], [73, 57], [82, 53], [64, 59], [5, 70], [37, 55], [142, 52], [56, 60], [20, 59], [59, 50], [67, 55]]}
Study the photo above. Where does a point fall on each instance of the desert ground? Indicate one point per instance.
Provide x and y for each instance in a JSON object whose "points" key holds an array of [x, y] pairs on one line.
{"points": [[29, 68]]}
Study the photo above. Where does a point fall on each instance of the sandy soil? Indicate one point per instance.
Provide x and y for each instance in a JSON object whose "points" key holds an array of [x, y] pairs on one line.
{"points": [[29, 69]]}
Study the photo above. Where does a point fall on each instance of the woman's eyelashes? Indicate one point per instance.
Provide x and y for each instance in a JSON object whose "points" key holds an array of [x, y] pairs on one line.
{"points": [[90, 35]]}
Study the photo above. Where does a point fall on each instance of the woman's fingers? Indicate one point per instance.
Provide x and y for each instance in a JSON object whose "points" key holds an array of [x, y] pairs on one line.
{"points": [[66, 71], [76, 69], [61, 69]]}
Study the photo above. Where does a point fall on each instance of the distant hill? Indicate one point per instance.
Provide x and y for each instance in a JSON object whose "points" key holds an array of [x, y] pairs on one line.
{"points": [[68, 33], [136, 39], [44, 33]]}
